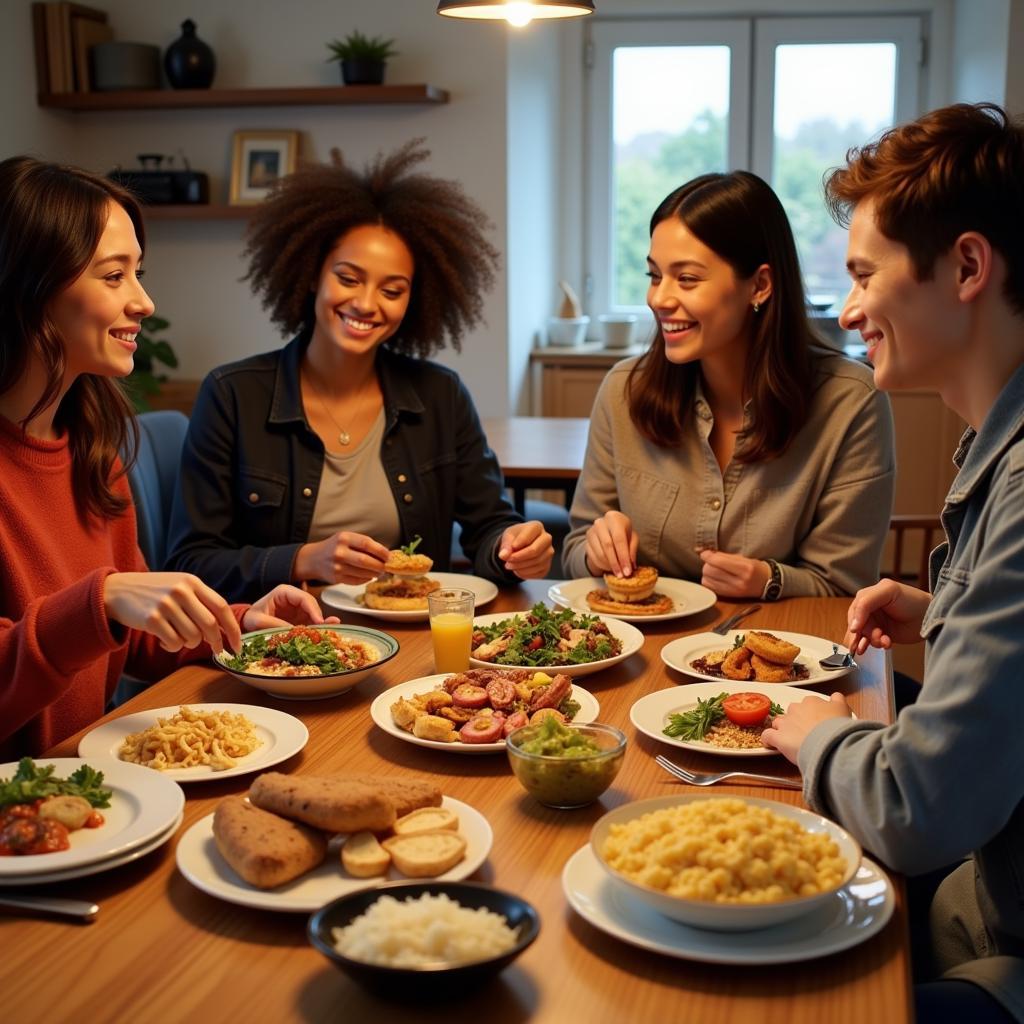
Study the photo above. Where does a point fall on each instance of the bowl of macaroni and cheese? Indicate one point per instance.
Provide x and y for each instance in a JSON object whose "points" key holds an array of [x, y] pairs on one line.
{"points": [[725, 863], [308, 662]]}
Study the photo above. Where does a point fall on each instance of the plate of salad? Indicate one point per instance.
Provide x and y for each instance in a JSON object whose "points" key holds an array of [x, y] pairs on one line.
{"points": [[557, 640], [724, 717], [308, 662]]}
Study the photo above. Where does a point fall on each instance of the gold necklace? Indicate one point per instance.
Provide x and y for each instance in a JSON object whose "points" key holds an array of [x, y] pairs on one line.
{"points": [[344, 437]]}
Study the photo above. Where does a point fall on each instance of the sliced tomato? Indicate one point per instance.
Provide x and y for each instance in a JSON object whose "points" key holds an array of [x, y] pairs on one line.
{"points": [[746, 709]]}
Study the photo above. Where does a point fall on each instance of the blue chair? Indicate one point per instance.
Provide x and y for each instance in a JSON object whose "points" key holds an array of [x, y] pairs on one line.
{"points": [[152, 479]]}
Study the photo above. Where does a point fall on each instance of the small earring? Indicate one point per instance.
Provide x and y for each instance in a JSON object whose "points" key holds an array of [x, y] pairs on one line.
{"points": [[757, 307]]}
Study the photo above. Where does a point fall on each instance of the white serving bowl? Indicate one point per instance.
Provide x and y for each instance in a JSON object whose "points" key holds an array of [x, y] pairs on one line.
{"points": [[567, 331], [315, 687], [725, 917], [617, 329]]}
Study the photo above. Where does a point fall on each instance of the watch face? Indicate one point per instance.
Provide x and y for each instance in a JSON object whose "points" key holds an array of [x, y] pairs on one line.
{"points": [[772, 591]]}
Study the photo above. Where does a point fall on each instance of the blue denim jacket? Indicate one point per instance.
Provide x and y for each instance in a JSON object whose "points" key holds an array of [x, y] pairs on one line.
{"points": [[251, 470], [947, 778]]}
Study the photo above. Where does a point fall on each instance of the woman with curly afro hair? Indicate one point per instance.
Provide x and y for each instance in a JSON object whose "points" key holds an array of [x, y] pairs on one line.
{"points": [[310, 462]]}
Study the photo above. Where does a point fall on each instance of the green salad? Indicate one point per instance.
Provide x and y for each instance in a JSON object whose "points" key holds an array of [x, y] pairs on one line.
{"points": [[545, 636], [30, 783], [314, 651]]}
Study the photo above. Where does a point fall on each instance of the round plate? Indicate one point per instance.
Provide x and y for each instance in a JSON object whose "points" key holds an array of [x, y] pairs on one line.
{"points": [[329, 684], [855, 913], [282, 736], [143, 804], [650, 714], [348, 597], [43, 877], [380, 712], [688, 598], [631, 637], [679, 653], [200, 862]]}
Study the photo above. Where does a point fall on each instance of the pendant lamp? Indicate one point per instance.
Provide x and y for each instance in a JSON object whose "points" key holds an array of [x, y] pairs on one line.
{"points": [[515, 12]]}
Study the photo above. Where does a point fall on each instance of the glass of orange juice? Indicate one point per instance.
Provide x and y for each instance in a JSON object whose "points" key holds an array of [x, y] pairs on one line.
{"points": [[451, 628]]}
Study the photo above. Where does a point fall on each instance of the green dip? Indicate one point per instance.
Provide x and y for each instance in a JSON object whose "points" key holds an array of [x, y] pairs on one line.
{"points": [[561, 766]]}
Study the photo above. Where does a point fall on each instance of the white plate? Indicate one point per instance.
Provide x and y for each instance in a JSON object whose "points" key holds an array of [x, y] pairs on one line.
{"points": [[143, 804], [348, 597], [679, 653], [104, 865], [380, 712], [631, 637], [688, 598], [282, 736], [650, 714], [855, 913], [200, 862]]}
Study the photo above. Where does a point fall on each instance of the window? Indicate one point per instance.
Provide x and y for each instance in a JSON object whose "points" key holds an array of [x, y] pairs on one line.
{"points": [[783, 97]]}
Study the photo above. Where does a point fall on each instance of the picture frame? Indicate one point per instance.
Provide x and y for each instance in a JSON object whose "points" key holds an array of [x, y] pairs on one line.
{"points": [[258, 159]]}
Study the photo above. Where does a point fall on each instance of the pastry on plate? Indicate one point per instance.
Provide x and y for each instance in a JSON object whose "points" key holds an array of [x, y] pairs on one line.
{"points": [[399, 593], [405, 562], [654, 604], [632, 588]]}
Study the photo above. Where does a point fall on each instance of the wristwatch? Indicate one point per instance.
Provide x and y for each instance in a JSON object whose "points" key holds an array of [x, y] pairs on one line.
{"points": [[773, 588]]}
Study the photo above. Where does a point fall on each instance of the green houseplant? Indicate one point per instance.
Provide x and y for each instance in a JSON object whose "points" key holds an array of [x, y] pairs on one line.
{"points": [[144, 382], [362, 58]]}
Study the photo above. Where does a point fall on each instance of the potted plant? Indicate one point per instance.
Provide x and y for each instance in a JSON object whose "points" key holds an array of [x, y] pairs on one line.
{"points": [[144, 382], [362, 57]]}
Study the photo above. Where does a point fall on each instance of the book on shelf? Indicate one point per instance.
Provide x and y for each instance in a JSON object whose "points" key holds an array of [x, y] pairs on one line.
{"points": [[63, 34]]}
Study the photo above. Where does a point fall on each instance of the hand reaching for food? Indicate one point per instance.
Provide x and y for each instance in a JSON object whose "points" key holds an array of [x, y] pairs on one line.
{"points": [[734, 575], [176, 607], [612, 545], [343, 557], [527, 550], [285, 605], [787, 732], [885, 614]]}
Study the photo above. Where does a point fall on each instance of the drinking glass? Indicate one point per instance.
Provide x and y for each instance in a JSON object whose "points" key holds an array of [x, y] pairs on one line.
{"points": [[451, 628]]}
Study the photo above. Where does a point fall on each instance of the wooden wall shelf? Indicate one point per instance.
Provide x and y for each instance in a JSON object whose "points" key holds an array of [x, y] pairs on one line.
{"points": [[196, 99], [197, 211]]}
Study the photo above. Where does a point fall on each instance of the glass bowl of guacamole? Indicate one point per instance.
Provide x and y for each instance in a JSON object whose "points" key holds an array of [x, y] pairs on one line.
{"points": [[565, 766]]}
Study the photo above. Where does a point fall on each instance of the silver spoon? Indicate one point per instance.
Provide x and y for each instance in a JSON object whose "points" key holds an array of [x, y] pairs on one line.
{"points": [[836, 659], [81, 910]]}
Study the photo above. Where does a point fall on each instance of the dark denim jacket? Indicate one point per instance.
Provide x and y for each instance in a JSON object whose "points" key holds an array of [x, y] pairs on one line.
{"points": [[251, 470]]}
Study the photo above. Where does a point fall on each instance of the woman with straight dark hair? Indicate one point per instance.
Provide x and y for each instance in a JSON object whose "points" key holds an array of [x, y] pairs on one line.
{"points": [[77, 605], [740, 450]]}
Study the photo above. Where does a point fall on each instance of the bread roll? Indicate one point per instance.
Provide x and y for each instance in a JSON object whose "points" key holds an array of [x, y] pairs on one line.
{"points": [[362, 856], [427, 819], [263, 849], [425, 854], [407, 794], [332, 804]]}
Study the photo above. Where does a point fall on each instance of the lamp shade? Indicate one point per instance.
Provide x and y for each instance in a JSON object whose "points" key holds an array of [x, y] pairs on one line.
{"points": [[514, 11]]}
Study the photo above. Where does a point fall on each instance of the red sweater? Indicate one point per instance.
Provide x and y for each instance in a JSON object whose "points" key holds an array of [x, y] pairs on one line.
{"points": [[59, 659]]}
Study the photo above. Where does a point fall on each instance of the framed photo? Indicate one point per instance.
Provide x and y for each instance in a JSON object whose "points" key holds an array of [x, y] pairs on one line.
{"points": [[258, 160]]}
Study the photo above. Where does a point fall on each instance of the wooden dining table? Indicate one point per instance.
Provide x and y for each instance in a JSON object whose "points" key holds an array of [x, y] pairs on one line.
{"points": [[538, 452], [162, 950]]}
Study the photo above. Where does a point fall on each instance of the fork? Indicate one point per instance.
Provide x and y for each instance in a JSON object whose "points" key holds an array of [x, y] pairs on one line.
{"points": [[726, 624], [710, 778]]}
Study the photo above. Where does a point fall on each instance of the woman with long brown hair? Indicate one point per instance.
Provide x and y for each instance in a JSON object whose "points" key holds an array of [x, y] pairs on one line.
{"points": [[739, 450], [77, 605]]}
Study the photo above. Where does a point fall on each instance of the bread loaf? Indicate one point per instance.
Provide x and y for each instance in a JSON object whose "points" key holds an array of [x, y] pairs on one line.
{"points": [[332, 804]]}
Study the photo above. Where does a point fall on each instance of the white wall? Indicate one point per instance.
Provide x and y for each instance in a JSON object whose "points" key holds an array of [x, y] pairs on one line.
{"points": [[979, 67], [194, 267]]}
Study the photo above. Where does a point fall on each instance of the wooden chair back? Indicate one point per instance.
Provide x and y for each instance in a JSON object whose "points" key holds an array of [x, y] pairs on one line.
{"points": [[913, 538]]}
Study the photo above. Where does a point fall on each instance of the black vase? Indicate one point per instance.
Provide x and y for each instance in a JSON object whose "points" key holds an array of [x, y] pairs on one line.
{"points": [[362, 71], [189, 62]]}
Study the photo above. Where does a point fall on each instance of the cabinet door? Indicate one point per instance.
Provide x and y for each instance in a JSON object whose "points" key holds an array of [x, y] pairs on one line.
{"points": [[570, 390]]}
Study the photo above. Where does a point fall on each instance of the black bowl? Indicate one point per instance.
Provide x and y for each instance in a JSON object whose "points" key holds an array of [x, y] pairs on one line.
{"points": [[435, 979]]}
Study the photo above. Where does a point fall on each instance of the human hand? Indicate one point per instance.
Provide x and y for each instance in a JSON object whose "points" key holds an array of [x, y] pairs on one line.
{"points": [[176, 607], [734, 575], [527, 550], [342, 558], [612, 545], [787, 732], [885, 614], [285, 605]]}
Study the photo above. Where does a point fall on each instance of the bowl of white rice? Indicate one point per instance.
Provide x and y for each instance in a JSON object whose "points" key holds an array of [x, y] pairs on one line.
{"points": [[436, 935]]}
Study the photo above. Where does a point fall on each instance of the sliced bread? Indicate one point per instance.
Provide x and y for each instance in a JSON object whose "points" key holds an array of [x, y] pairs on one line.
{"points": [[363, 857], [426, 854], [427, 819]]}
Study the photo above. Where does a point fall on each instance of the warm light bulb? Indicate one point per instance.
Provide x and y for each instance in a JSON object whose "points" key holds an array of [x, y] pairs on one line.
{"points": [[518, 14]]}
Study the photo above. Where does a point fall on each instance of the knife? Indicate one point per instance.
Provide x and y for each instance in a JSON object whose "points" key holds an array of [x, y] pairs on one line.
{"points": [[79, 909]]}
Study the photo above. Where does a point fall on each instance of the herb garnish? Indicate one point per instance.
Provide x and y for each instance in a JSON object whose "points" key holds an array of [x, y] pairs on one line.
{"points": [[31, 783], [409, 548], [299, 650], [694, 724]]}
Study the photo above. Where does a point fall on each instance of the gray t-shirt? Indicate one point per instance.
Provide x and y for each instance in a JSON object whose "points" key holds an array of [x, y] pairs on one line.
{"points": [[354, 494]]}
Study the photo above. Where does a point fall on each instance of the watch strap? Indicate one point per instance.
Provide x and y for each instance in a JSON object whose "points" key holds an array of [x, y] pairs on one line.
{"points": [[773, 588]]}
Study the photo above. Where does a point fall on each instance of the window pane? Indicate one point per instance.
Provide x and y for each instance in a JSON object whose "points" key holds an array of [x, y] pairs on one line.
{"points": [[828, 97], [670, 111]]}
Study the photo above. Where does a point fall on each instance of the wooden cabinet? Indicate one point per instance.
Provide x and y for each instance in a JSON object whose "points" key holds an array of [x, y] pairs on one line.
{"points": [[565, 381]]}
